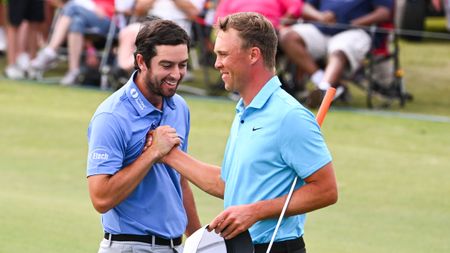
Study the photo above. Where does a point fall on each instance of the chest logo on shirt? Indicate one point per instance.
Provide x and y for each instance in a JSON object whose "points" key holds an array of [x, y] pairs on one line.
{"points": [[134, 93], [256, 128]]}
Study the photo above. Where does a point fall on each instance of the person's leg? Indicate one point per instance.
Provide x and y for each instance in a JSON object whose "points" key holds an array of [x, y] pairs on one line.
{"points": [[127, 36], [346, 52], [12, 33], [15, 17], [33, 35], [82, 21], [59, 33], [335, 67], [75, 43], [296, 45]]}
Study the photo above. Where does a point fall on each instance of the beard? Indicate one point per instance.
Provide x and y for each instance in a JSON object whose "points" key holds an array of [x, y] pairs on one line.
{"points": [[164, 87]]}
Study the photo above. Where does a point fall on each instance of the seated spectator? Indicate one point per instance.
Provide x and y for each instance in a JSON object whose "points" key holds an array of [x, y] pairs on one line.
{"points": [[276, 11], [181, 12], [24, 18], [77, 18], [445, 7], [344, 46]]}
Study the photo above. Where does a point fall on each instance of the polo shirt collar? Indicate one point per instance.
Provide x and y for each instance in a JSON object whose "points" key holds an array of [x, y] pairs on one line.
{"points": [[263, 95], [140, 103]]}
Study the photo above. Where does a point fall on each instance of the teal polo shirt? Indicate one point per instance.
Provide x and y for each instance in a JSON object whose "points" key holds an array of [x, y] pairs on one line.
{"points": [[117, 134], [271, 141]]}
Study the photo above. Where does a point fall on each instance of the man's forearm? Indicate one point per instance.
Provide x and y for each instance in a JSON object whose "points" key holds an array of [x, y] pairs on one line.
{"points": [[319, 191], [380, 14], [203, 175], [188, 8]]}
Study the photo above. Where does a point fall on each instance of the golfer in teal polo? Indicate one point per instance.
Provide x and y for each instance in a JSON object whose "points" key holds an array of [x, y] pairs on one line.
{"points": [[273, 139]]}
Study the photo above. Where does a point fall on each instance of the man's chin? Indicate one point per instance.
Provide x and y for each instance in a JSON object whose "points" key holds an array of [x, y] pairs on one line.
{"points": [[169, 93]]}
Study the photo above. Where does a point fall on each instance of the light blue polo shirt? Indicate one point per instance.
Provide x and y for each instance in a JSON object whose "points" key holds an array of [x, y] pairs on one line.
{"points": [[271, 141], [116, 135]]}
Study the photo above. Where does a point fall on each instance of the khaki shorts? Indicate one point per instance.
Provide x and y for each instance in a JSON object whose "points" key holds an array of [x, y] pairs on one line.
{"points": [[354, 43]]}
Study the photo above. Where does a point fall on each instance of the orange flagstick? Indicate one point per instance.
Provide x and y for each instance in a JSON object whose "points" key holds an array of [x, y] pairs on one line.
{"points": [[325, 105]]}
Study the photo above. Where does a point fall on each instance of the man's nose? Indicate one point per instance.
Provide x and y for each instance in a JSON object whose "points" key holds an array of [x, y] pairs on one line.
{"points": [[218, 63]]}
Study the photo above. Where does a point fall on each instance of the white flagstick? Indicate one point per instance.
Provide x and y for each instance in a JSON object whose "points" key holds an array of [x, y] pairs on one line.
{"points": [[326, 102]]}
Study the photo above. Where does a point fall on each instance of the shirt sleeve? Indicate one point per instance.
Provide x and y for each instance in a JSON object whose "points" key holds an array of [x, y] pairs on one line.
{"points": [[106, 145], [301, 142]]}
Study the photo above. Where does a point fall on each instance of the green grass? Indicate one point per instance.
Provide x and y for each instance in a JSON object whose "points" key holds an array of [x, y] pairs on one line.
{"points": [[393, 172], [393, 175]]}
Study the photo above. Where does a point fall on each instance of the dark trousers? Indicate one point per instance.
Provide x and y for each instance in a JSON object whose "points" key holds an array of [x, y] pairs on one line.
{"points": [[289, 246]]}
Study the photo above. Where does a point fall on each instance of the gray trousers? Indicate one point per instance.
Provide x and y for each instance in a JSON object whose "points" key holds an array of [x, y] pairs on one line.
{"points": [[107, 246]]}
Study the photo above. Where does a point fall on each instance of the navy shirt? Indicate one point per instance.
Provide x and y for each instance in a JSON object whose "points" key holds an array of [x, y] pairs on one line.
{"points": [[347, 10], [116, 135]]}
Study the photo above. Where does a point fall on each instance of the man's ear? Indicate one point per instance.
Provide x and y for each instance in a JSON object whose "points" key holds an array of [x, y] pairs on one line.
{"points": [[141, 62], [255, 55]]}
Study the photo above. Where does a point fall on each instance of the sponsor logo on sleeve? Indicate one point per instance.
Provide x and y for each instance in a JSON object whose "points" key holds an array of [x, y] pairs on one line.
{"points": [[98, 155]]}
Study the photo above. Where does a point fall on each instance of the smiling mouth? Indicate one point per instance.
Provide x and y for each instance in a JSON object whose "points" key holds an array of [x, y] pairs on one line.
{"points": [[171, 83]]}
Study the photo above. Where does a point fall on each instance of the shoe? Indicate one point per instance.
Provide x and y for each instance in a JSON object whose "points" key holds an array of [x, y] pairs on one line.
{"points": [[23, 61], [345, 96], [70, 78], [315, 98], [14, 72], [44, 59]]}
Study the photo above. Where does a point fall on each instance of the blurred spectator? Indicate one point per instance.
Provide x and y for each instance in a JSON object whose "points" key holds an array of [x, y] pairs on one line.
{"points": [[446, 8], [2, 28], [77, 18], [344, 46], [277, 11], [182, 12], [23, 21]]}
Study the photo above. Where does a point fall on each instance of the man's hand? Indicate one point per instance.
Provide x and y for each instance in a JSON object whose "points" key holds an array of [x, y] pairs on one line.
{"points": [[161, 141], [327, 17], [233, 221]]}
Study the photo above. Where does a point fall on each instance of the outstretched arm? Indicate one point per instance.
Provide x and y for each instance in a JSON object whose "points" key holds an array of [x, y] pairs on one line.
{"points": [[312, 14], [188, 8], [203, 175], [319, 191], [380, 14]]}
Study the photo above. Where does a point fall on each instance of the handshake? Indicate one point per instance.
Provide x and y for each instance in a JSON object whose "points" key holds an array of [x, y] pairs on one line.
{"points": [[160, 142]]}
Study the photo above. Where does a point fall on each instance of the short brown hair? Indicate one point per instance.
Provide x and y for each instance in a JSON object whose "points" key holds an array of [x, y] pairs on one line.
{"points": [[155, 32], [256, 31]]}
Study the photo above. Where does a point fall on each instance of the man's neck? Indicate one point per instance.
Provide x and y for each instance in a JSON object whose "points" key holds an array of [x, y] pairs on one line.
{"points": [[260, 78]]}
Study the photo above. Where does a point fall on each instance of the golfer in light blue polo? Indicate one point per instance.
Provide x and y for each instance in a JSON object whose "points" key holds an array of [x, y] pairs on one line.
{"points": [[146, 206], [272, 140]]}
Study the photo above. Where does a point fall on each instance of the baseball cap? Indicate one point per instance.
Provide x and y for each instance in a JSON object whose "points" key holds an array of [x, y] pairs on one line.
{"points": [[203, 241]]}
